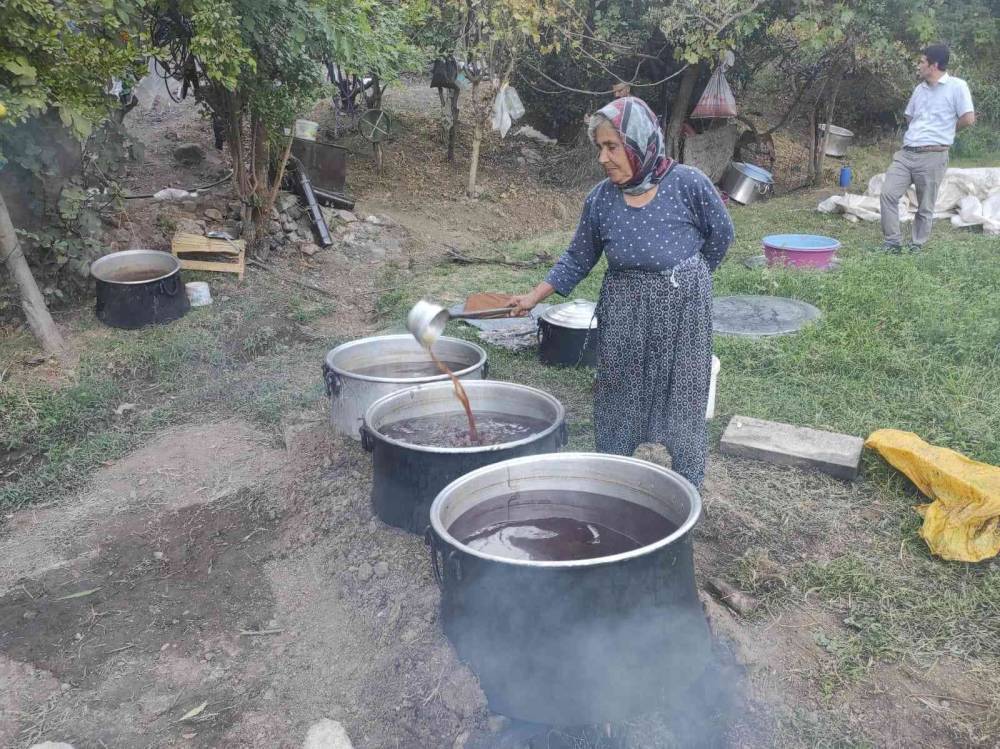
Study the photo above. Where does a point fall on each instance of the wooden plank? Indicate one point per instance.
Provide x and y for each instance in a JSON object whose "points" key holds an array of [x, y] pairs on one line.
{"points": [[184, 242], [785, 444]]}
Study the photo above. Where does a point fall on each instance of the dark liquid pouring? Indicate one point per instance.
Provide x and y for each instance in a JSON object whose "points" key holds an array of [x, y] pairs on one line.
{"points": [[462, 396]]}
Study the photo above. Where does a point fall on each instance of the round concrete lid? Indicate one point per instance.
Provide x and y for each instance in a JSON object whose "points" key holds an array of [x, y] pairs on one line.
{"points": [[760, 315]]}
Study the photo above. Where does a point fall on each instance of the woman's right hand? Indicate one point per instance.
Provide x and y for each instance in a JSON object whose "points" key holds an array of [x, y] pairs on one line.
{"points": [[521, 304]]}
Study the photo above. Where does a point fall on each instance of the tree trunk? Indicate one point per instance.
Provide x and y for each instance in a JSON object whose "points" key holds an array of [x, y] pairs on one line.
{"points": [[32, 301], [477, 139], [831, 104], [679, 113], [453, 130]]}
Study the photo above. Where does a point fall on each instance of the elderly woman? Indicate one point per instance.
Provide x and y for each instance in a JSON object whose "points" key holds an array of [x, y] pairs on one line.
{"points": [[663, 228]]}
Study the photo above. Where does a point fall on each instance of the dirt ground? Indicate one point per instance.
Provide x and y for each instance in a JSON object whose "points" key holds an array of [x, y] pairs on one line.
{"points": [[215, 589]]}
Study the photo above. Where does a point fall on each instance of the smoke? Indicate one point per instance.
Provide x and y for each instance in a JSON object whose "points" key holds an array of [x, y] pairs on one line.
{"points": [[571, 650]]}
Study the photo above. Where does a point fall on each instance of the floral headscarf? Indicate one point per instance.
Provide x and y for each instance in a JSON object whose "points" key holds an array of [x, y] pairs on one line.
{"points": [[643, 139]]}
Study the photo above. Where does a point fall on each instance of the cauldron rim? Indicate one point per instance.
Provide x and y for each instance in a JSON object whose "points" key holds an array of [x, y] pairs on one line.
{"points": [[612, 461], [97, 267], [331, 356], [470, 386]]}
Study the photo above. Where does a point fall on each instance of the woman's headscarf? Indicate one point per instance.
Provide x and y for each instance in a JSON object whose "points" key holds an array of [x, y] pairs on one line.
{"points": [[643, 139]]}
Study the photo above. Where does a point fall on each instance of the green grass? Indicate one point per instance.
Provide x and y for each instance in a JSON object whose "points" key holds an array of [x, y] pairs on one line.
{"points": [[238, 357]]}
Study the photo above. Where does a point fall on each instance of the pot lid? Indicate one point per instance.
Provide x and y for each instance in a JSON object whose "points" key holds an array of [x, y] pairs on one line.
{"points": [[578, 314], [754, 172]]}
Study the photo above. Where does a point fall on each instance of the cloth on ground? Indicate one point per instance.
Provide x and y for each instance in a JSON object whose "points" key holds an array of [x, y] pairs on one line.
{"points": [[962, 523], [968, 197], [511, 333]]}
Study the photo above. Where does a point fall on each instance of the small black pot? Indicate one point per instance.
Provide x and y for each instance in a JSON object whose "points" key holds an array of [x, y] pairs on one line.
{"points": [[567, 334], [136, 288]]}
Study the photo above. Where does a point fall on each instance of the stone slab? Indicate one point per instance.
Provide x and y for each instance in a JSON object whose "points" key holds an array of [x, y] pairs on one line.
{"points": [[784, 444]]}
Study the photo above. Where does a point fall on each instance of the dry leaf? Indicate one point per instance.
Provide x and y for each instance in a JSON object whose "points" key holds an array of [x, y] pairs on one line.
{"points": [[194, 712], [81, 594]]}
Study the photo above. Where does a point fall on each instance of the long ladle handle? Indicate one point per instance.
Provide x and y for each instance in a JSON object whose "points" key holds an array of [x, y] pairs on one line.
{"points": [[484, 314]]}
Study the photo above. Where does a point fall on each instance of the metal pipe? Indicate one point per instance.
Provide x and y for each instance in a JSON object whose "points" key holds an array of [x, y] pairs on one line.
{"points": [[325, 240]]}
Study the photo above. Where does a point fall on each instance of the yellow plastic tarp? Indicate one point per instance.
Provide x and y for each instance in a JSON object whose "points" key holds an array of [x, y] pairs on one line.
{"points": [[962, 523]]}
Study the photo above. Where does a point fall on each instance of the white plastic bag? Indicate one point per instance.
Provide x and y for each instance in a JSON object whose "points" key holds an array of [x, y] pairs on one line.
{"points": [[507, 108], [717, 101]]}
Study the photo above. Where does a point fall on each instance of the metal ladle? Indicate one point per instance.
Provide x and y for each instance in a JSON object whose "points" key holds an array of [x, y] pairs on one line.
{"points": [[427, 320]]}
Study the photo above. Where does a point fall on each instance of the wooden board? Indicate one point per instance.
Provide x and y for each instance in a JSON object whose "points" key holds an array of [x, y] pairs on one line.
{"points": [[184, 245]]}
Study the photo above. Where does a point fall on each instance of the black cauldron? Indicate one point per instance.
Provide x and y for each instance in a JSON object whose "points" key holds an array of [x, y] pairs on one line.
{"points": [[407, 477], [580, 641], [136, 288]]}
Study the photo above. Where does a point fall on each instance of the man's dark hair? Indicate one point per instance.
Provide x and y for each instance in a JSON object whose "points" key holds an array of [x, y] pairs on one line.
{"points": [[937, 53]]}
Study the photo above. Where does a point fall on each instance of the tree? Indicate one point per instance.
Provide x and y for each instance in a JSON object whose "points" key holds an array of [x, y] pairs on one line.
{"points": [[491, 36], [54, 57]]}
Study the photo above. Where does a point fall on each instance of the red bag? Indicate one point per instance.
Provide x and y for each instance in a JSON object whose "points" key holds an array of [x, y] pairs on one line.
{"points": [[718, 99]]}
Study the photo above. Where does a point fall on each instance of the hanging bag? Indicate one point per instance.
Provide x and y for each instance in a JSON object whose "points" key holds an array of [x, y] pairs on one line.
{"points": [[717, 101]]}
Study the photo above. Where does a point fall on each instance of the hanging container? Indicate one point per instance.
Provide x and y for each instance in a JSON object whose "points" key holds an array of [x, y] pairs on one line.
{"points": [[839, 140]]}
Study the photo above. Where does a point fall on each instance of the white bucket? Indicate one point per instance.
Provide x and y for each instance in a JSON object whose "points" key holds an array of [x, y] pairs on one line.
{"points": [[716, 366], [199, 295]]}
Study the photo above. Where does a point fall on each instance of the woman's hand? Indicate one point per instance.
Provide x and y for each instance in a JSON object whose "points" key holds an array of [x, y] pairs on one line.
{"points": [[522, 304]]}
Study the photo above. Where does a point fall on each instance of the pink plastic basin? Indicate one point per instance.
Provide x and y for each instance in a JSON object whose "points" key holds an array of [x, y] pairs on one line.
{"points": [[800, 250]]}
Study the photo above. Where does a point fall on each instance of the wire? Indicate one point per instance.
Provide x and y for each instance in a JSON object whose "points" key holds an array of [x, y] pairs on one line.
{"points": [[191, 189]]}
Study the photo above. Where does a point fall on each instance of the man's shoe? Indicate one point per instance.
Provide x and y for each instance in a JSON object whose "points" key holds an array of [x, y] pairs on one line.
{"points": [[914, 248], [890, 248]]}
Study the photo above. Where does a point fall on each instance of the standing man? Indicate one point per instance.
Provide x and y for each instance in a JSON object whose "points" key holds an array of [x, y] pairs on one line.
{"points": [[940, 105]]}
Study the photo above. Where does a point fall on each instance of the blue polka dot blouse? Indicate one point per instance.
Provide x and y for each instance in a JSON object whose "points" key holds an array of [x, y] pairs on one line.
{"points": [[685, 217]]}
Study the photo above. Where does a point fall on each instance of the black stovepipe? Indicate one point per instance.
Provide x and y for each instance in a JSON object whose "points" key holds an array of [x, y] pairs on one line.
{"points": [[305, 186]]}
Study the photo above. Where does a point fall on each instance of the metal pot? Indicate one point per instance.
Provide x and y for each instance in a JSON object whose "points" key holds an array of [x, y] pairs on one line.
{"points": [[567, 334], [351, 392], [574, 642], [408, 476], [583, 641], [744, 183], [838, 141], [136, 288]]}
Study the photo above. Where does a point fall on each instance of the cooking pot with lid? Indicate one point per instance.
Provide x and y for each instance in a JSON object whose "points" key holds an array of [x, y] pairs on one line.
{"points": [[567, 334]]}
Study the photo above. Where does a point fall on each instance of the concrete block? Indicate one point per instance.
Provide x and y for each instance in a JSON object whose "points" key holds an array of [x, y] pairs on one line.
{"points": [[787, 445]]}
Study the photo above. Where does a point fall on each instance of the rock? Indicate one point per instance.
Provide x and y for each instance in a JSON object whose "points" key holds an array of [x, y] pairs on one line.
{"points": [[365, 572], [381, 569], [268, 695], [124, 408], [52, 745], [213, 214], [374, 220], [346, 216], [286, 200], [498, 723], [190, 226], [189, 154], [327, 734], [294, 212], [275, 227], [308, 248], [531, 155], [29, 614]]}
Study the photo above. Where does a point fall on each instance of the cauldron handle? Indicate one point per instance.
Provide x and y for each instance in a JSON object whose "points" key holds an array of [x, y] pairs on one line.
{"points": [[331, 380], [366, 439], [456, 562], [563, 434], [486, 369], [177, 285], [429, 540]]}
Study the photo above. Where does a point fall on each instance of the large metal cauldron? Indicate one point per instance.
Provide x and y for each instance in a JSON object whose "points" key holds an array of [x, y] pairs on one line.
{"points": [[351, 392], [574, 642], [136, 288], [407, 477]]}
